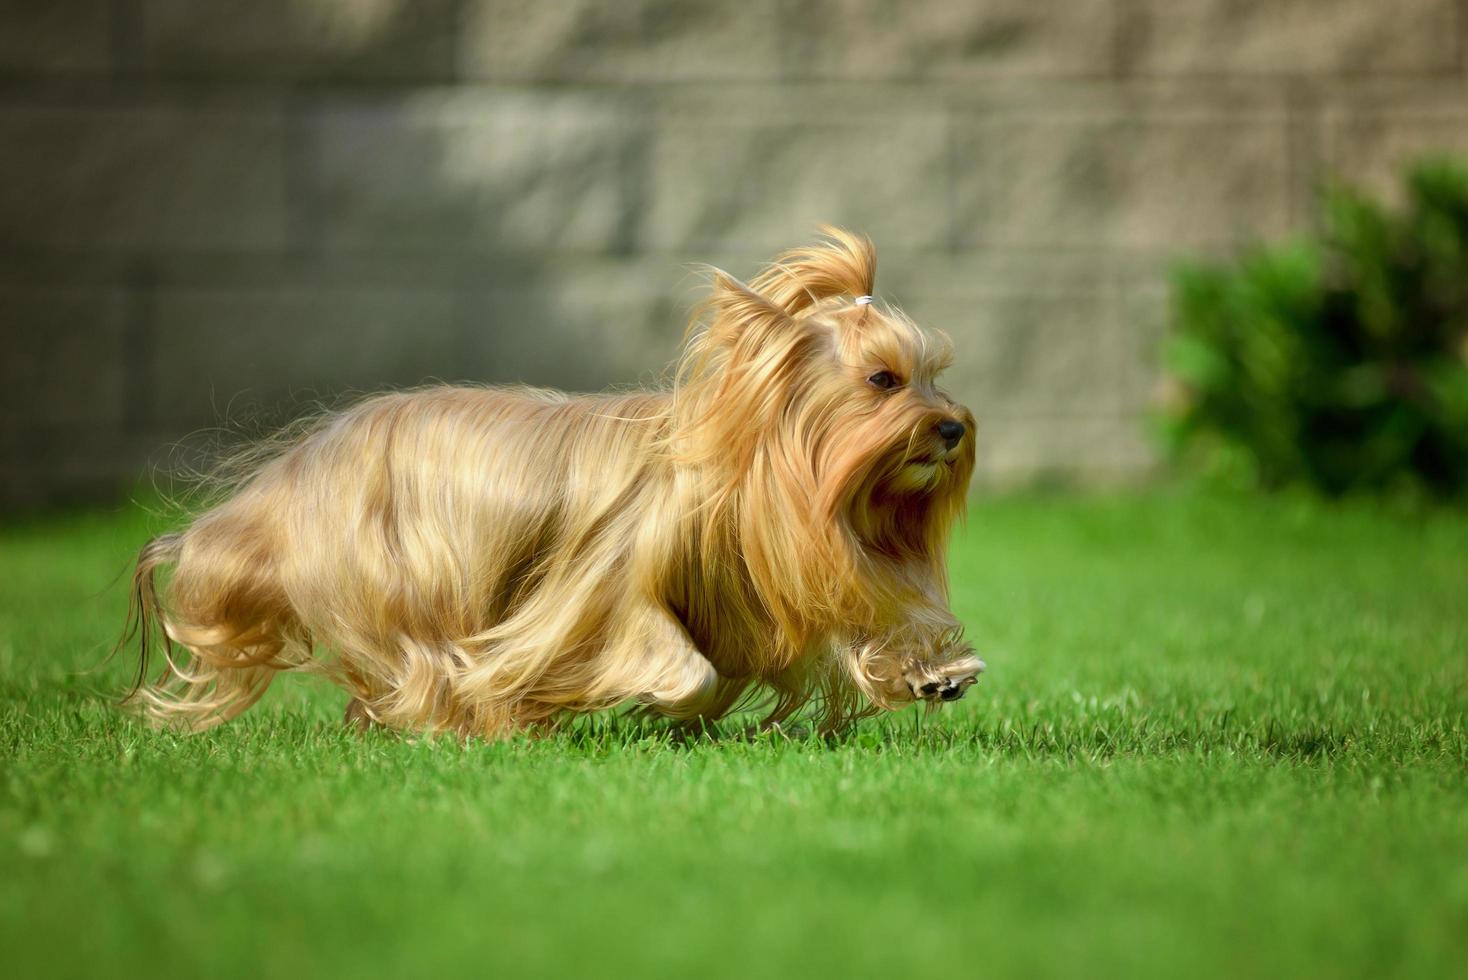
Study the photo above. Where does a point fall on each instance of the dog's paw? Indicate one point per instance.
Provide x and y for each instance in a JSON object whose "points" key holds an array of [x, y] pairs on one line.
{"points": [[943, 682]]}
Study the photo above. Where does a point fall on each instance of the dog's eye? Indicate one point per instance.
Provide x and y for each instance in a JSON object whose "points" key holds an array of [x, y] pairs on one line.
{"points": [[883, 380]]}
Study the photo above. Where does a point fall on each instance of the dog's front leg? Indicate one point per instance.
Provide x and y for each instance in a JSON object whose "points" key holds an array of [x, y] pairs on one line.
{"points": [[919, 662], [941, 666], [952, 669]]}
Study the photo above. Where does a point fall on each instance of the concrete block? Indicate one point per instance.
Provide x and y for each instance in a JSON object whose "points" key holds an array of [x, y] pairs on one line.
{"points": [[49, 37], [505, 171], [1103, 449], [66, 357], [627, 41], [391, 40], [1145, 320], [141, 178], [1121, 180], [939, 39], [1028, 355], [264, 354], [760, 178], [1334, 37], [42, 468], [580, 326], [1372, 145], [1031, 336]]}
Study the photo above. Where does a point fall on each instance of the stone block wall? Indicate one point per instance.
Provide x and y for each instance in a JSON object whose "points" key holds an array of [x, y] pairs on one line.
{"points": [[215, 213]]}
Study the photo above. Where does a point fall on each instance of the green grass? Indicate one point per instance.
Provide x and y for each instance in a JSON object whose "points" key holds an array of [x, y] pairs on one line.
{"points": [[1217, 738]]}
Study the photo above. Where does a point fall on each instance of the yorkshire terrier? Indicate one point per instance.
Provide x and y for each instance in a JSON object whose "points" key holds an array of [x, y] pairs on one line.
{"points": [[768, 529]]}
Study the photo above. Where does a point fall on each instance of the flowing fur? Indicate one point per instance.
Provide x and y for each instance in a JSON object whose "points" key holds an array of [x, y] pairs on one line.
{"points": [[483, 560]]}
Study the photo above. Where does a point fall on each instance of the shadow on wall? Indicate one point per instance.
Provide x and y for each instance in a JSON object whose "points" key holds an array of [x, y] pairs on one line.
{"points": [[379, 41], [443, 238]]}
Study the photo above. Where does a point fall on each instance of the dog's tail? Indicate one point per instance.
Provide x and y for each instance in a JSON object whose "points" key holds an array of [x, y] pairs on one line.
{"points": [[209, 675], [144, 625]]}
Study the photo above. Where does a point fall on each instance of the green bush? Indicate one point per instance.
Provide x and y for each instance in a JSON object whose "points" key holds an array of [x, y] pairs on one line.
{"points": [[1338, 361]]}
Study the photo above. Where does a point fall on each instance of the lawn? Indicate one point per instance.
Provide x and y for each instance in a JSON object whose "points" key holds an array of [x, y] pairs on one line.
{"points": [[1217, 738]]}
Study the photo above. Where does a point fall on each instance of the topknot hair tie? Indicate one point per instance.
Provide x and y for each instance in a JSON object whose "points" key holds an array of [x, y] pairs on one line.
{"points": [[863, 301]]}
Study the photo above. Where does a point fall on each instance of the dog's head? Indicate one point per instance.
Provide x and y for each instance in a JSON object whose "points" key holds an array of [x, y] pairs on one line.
{"points": [[824, 397]]}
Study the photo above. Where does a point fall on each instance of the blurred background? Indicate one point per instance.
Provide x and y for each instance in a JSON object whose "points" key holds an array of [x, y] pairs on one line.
{"points": [[214, 213]]}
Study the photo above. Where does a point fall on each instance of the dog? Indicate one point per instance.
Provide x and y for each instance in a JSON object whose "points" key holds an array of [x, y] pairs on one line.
{"points": [[769, 529]]}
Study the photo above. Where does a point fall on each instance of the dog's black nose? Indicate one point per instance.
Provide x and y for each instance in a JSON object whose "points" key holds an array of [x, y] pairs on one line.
{"points": [[951, 431]]}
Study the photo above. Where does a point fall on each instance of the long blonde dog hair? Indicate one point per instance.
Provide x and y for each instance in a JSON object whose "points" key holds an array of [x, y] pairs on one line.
{"points": [[772, 525]]}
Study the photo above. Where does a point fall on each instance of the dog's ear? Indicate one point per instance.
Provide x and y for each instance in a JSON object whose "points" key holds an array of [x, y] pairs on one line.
{"points": [[736, 314]]}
